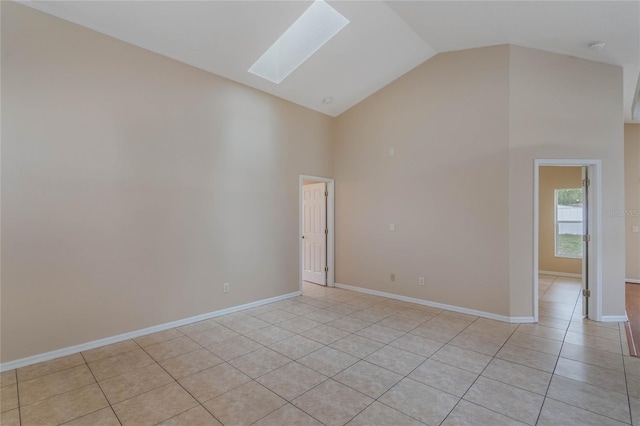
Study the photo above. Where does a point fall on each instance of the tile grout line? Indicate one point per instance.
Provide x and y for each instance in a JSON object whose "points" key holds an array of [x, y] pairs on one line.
{"points": [[461, 398], [101, 390], [407, 375], [626, 381], [340, 371], [176, 381], [553, 373], [18, 396]]}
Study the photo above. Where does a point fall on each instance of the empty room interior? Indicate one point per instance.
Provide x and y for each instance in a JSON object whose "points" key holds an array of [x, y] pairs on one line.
{"points": [[320, 213]]}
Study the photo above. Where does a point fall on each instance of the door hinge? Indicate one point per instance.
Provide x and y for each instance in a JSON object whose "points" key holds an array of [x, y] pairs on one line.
{"points": [[326, 269], [326, 193], [586, 292], [586, 238], [326, 232], [586, 182]]}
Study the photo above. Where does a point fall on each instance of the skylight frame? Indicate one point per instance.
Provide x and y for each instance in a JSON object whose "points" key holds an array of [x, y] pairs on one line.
{"points": [[312, 30]]}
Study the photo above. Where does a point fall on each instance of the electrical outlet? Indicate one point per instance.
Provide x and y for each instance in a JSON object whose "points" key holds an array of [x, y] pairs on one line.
{"points": [[634, 229], [421, 280], [225, 287], [392, 227], [392, 277]]}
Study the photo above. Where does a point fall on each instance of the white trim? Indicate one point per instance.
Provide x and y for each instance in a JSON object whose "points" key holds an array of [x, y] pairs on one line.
{"points": [[595, 230], [23, 362], [330, 226], [429, 303], [521, 320], [629, 280], [614, 318], [560, 274]]}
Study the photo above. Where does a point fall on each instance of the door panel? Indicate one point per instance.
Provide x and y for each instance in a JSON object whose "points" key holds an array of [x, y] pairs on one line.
{"points": [[313, 233]]}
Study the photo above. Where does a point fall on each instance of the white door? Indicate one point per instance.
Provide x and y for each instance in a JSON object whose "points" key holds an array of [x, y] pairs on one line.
{"points": [[314, 233]]}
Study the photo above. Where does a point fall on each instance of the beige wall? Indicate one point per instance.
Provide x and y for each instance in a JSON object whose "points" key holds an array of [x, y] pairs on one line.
{"points": [[564, 107], [467, 127], [133, 186], [445, 189], [632, 198], [550, 179]]}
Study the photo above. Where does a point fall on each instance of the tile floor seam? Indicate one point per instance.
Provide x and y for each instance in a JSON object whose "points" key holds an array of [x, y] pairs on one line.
{"points": [[55, 394], [476, 379], [407, 414], [480, 375], [626, 383], [63, 393], [586, 409], [555, 366], [230, 359], [183, 388], [309, 390], [395, 384], [485, 408], [88, 414], [155, 388], [402, 412], [284, 405], [554, 374], [179, 414], [101, 390], [356, 390], [331, 378], [49, 374], [18, 397]]}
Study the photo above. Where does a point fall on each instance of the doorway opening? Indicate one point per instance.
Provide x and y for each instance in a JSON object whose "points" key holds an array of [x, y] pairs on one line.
{"points": [[567, 250], [316, 230]]}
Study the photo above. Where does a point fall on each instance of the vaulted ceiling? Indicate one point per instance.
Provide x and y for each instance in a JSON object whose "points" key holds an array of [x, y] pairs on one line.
{"points": [[384, 39]]}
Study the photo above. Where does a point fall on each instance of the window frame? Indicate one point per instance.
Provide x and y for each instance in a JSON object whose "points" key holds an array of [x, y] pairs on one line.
{"points": [[557, 226]]}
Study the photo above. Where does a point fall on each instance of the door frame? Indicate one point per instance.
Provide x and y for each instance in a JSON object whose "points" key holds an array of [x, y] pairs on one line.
{"points": [[330, 226], [594, 229]]}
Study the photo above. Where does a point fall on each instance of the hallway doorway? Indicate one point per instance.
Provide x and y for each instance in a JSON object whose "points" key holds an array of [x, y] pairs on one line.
{"points": [[316, 230]]}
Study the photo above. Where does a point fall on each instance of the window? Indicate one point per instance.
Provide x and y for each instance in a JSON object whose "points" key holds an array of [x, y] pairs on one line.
{"points": [[568, 222], [316, 26]]}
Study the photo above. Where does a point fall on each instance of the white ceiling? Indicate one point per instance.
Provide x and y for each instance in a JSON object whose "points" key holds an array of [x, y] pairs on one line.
{"points": [[384, 40]]}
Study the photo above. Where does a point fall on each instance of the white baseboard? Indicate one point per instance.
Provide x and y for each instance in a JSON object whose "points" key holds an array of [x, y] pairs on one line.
{"points": [[429, 303], [47, 356], [560, 274], [629, 280], [521, 320], [614, 318]]}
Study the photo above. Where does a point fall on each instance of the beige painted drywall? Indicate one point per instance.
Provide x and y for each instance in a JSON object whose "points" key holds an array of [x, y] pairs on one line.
{"points": [[466, 127], [550, 179], [564, 107], [134, 186], [632, 198], [445, 189]]}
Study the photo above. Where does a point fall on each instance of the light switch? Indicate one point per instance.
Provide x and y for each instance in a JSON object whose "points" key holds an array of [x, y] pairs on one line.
{"points": [[392, 227], [634, 229], [392, 152]]}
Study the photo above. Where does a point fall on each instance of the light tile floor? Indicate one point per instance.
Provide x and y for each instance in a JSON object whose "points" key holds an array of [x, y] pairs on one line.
{"points": [[335, 357]]}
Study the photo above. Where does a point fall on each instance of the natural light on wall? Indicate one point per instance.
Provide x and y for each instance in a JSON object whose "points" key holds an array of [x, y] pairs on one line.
{"points": [[316, 26]]}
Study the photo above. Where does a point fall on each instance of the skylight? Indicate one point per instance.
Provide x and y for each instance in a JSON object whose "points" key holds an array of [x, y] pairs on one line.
{"points": [[316, 26]]}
